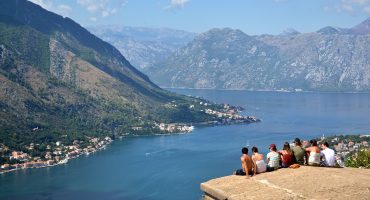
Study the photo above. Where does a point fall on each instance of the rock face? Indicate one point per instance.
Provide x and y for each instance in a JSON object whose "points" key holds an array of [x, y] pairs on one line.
{"points": [[143, 46], [331, 59], [302, 183]]}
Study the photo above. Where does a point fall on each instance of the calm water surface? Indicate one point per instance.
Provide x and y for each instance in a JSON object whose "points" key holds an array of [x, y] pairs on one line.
{"points": [[172, 167]]}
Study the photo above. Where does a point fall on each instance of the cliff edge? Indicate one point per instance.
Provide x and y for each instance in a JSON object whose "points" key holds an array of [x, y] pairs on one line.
{"points": [[302, 183]]}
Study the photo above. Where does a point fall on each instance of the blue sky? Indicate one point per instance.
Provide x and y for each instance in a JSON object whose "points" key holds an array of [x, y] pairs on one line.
{"points": [[251, 16]]}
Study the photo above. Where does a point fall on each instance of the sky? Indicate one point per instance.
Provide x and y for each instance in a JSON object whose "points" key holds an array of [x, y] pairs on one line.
{"points": [[251, 16]]}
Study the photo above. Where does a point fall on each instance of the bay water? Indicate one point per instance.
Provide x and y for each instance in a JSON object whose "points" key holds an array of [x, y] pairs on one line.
{"points": [[172, 167]]}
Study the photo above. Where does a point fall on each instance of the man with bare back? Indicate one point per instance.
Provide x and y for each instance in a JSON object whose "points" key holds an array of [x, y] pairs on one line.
{"points": [[246, 164]]}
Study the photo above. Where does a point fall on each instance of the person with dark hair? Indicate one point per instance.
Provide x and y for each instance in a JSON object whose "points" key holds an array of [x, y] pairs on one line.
{"points": [[259, 165], [246, 164], [273, 159], [286, 156], [299, 152], [314, 153], [327, 155]]}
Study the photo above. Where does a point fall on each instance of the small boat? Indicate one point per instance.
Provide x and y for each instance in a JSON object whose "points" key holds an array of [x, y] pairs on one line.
{"points": [[64, 161]]}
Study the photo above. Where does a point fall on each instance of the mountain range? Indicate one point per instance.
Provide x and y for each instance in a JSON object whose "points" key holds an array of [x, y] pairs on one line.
{"points": [[57, 80], [330, 59], [143, 46]]}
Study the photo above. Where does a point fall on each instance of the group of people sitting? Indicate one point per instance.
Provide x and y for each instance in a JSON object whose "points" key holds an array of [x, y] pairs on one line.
{"points": [[287, 157]]}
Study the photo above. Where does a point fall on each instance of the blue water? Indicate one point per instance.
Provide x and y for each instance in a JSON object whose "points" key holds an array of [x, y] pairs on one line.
{"points": [[172, 167]]}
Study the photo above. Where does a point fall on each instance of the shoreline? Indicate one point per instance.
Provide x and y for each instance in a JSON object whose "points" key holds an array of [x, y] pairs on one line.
{"points": [[196, 125], [280, 91], [57, 153], [62, 162], [67, 158]]}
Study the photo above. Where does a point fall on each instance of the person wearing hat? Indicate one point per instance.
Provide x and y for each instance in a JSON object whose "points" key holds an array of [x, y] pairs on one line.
{"points": [[273, 159], [299, 152]]}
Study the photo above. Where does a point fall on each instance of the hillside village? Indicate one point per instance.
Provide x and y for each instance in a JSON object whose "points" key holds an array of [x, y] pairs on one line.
{"points": [[38, 155], [349, 148], [56, 153]]}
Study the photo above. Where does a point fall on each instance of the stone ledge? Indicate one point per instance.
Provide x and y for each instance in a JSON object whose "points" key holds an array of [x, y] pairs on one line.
{"points": [[302, 183]]}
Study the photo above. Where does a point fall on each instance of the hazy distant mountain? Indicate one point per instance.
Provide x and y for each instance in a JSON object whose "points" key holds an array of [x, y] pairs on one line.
{"points": [[143, 46], [290, 31], [332, 30], [331, 59], [363, 28], [360, 29]]}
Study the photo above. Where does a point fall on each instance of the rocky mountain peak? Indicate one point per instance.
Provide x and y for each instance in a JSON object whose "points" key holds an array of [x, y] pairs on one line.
{"points": [[363, 28], [367, 21], [223, 31], [221, 35], [332, 59], [142, 46], [329, 30], [289, 32]]}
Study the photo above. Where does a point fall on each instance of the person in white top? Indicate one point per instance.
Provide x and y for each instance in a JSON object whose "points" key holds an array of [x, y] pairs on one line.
{"points": [[314, 150], [327, 155], [259, 165]]}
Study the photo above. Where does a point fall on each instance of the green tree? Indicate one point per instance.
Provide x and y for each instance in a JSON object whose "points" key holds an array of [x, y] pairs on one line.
{"points": [[359, 159]]}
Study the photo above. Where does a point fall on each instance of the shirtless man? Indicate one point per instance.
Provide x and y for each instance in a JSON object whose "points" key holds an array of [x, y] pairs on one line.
{"points": [[246, 164]]}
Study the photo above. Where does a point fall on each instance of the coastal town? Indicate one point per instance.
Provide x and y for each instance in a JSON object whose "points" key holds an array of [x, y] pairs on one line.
{"points": [[231, 117], [224, 115], [228, 115], [56, 153], [175, 128], [346, 146]]}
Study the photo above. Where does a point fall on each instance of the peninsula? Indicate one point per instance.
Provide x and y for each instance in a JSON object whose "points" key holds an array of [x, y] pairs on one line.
{"points": [[45, 154]]}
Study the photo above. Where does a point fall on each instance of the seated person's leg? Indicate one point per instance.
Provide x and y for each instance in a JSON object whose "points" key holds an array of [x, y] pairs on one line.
{"points": [[269, 169], [239, 172]]}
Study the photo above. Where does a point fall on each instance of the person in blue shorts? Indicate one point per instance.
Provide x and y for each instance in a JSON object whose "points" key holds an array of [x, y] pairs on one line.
{"points": [[246, 164]]}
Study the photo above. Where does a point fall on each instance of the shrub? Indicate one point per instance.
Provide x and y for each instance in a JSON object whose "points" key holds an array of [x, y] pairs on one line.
{"points": [[360, 159]]}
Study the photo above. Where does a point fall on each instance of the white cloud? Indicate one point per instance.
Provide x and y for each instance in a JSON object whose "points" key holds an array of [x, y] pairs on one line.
{"points": [[176, 4], [104, 8], [94, 19], [96, 8], [346, 7], [359, 1], [64, 10], [61, 9], [46, 4], [367, 9], [124, 3], [353, 6], [179, 3]]}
